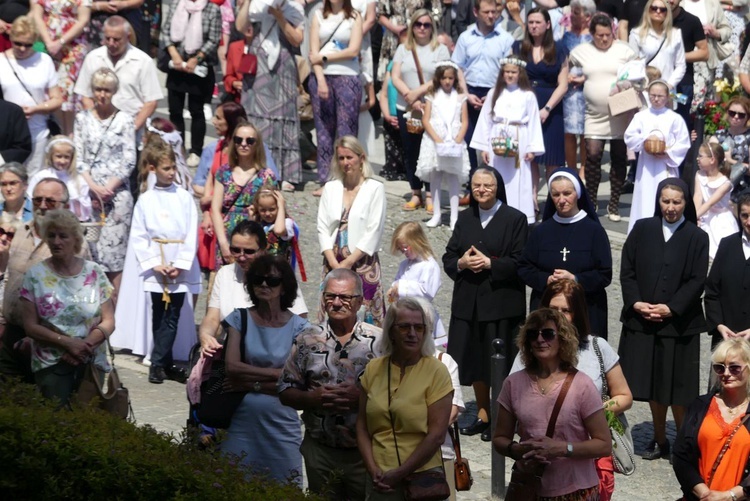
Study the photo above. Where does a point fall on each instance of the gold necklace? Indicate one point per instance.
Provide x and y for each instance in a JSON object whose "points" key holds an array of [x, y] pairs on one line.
{"points": [[733, 409], [544, 389]]}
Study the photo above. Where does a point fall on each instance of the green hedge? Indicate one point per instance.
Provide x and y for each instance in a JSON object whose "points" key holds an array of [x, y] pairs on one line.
{"points": [[87, 454]]}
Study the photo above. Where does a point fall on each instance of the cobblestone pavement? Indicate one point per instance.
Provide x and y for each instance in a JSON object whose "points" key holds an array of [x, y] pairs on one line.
{"points": [[165, 407]]}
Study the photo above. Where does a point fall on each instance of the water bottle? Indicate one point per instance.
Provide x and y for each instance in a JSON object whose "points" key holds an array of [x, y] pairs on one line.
{"points": [[728, 144], [368, 317]]}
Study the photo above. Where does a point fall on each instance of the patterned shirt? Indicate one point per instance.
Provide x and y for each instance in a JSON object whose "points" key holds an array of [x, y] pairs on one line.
{"points": [[318, 358]]}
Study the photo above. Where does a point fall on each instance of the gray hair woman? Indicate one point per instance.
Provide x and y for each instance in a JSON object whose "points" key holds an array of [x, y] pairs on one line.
{"points": [[420, 411], [13, 183]]}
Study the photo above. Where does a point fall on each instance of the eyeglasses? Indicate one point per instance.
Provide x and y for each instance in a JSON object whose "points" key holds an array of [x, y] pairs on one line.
{"points": [[661, 10], [7, 234], [405, 328], [330, 297], [547, 334], [426, 26], [269, 281], [12, 184], [21, 44], [736, 114], [49, 201], [734, 369], [245, 140], [240, 251]]}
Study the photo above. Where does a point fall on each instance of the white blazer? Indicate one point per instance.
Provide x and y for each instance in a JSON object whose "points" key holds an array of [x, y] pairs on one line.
{"points": [[366, 217]]}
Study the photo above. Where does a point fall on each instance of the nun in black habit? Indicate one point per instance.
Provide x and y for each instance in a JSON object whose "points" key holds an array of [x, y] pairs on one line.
{"points": [[664, 266], [489, 300], [570, 243]]}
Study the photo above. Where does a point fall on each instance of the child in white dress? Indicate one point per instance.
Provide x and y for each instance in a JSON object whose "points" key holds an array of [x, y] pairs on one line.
{"points": [[509, 121], [443, 153], [60, 158], [711, 196], [419, 274]]}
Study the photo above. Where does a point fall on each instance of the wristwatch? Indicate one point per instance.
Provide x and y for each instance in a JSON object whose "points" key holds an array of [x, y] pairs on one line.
{"points": [[547, 108], [325, 59], [569, 450], [257, 387]]}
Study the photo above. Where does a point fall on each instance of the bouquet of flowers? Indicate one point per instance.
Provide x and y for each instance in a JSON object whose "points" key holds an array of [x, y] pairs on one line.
{"points": [[716, 108]]}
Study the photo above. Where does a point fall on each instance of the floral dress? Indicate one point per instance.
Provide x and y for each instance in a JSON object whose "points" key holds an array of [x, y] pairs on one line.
{"points": [[238, 199], [59, 16], [72, 306], [106, 149], [574, 104]]}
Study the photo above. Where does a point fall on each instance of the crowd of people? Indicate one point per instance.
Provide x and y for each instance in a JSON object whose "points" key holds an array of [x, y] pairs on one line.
{"points": [[112, 225]]}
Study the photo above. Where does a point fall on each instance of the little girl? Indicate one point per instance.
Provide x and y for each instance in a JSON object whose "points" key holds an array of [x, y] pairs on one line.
{"points": [[61, 164], [711, 195], [419, 274], [443, 153], [510, 118], [282, 233], [161, 271]]}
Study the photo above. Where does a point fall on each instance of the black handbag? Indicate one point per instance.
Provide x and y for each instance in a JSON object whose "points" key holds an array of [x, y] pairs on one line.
{"points": [[217, 406]]}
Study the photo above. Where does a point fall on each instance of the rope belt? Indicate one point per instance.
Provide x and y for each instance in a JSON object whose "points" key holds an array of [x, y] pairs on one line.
{"points": [[162, 242]]}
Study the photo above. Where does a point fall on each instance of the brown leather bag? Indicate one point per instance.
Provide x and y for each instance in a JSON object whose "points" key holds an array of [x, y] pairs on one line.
{"points": [[525, 480], [461, 470]]}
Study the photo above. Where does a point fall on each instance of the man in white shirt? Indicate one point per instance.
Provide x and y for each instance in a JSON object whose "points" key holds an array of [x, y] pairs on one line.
{"points": [[139, 88]]}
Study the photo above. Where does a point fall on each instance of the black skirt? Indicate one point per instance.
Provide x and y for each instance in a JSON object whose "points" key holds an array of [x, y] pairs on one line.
{"points": [[659, 368], [188, 83]]}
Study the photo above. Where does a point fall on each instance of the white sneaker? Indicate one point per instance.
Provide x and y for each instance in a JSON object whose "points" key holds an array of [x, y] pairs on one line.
{"points": [[208, 112], [193, 160], [434, 222]]}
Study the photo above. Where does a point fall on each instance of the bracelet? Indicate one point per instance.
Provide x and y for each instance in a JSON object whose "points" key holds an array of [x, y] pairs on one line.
{"points": [[734, 496]]}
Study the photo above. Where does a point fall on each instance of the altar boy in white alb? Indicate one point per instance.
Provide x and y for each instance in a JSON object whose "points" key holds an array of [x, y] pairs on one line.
{"points": [[163, 238]]}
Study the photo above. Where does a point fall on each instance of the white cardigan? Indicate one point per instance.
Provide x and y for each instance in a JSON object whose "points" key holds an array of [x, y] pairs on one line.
{"points": [[366, 216]]}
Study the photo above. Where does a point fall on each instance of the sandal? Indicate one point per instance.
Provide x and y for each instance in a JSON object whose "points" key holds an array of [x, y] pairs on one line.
{"points": [[318, 192], [428, 205], [411, 205]]}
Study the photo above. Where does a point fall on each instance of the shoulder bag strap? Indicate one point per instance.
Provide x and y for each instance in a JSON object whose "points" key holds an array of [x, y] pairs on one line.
{"points": [[605, 386], [390, 414], [243, 334], [453, 432], [19, 78], [559, 402], [657, 50], [331, 35], [419, 66], [724, 449]]}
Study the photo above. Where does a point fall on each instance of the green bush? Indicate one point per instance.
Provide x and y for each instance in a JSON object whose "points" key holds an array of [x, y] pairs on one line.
{"points": [[86, 454]]}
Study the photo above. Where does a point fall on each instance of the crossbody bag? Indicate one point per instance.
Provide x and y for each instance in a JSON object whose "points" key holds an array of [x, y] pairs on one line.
{"points": [[52, 125]]}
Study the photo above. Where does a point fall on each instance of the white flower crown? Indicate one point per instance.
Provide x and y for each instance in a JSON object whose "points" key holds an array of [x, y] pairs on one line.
{"points": [[514, 61], [447, 63]]}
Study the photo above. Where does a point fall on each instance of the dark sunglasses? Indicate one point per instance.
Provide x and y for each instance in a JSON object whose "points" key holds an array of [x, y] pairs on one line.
{"points": [[330, 297], [240, 250], [547, 334], [736, 114], [49, 201], [426, 26], [654, 8], [269, 281], [21, 44], [8, 234], [240, 140], [734, 369], [405, 328]]}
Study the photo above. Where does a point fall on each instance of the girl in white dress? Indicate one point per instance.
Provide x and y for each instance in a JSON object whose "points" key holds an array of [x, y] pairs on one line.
{"points": [[511, 117], [443, 153], [60, 159], [711, 196], [659, 121], [419, 274]]}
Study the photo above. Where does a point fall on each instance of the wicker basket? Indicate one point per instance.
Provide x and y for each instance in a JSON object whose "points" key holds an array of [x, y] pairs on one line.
{"points": [[655, 143], [414, 122], [93, 229], [504, 147]]}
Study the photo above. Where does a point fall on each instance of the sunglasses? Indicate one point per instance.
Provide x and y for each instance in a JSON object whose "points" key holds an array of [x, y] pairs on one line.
{"points": [[426, 26], [330, 297], [547, 334], [245, 140], [269, 281], [736, 114], [734, 369], [405, 328], [7, 234], [49, 201], [662, 10], [21, 44], [240, 251]]}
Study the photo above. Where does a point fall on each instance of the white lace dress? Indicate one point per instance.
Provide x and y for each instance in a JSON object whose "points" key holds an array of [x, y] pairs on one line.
{"points": [[719, 221], [446, 121]]}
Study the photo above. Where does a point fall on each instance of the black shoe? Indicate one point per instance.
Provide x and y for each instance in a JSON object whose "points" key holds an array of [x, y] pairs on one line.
{"points": [[487, 435], [656, 451], [156, 375], [175, 373], [627, 187], [478, 426]]}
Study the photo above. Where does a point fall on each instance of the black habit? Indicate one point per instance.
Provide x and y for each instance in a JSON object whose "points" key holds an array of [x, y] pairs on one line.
{"points": [[15, 139], [581, 248], [660, 360], [728, 288], [491, 303]]}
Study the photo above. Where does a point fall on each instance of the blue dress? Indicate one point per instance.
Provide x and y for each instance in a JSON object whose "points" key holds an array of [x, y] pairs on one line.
{"points": [[574, 104], [267, 432], [543, 78]]}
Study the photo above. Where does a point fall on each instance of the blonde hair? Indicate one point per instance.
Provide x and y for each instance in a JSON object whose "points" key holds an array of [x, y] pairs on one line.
{"points": [[411, 42], [411, 233], [22, 26], [104, 77], [413, 304], [353, 144], [64, 220], [265, 191], [732, 346], [259, 151], [647, 26], [153, 153], [11, 220], [72, 170]]}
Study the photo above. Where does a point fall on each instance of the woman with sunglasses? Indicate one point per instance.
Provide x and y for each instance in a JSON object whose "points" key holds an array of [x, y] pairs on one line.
{"points": [[8, 226], [568, 297], [664, 265], [735, 140], [265, 434], [548, 345], [712, 448], [658, 43], [405, 404], [236, 184]]}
